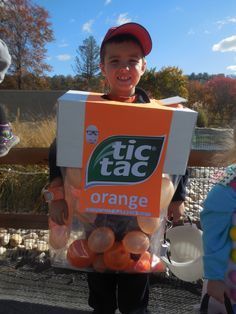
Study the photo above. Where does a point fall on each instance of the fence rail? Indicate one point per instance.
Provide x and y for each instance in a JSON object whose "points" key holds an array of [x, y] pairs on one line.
{"points": [[37, 156]]}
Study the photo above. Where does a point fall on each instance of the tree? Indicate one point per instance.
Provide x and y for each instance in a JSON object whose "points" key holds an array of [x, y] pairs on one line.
{"points": [[220, 97], [201, 77], [168, 82], [87, 61], [26, 30], [149, 83], [196, 94], [171, 82]]}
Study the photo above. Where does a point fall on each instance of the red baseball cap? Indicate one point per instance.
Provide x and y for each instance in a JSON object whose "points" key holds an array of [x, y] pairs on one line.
{"points": [[133, 29]]}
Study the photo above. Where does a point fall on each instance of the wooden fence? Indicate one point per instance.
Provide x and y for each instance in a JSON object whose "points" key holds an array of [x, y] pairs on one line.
{"points": [[37, 156]]}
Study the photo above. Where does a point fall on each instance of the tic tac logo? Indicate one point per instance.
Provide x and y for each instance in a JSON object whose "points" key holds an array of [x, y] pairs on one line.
{"points": [[120, 160]]}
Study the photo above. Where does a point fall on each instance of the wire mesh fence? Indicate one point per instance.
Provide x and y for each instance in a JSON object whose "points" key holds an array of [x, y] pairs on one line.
{"points": [[20, 190]]}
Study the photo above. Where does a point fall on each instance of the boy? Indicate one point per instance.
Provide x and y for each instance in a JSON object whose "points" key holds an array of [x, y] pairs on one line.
{"points": [[7, 139], [122, 54]]}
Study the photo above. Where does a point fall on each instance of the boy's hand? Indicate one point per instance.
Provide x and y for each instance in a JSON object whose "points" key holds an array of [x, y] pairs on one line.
{"points": [[175, 106], [176, 210], [217, 289], [58, 211]]}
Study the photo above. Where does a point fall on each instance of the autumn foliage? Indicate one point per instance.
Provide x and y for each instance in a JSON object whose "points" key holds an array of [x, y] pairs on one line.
{"points": [[26, 29]]}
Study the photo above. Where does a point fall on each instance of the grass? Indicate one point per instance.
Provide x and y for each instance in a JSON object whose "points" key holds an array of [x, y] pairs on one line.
{"points": [[35, 133], [20, 186]]}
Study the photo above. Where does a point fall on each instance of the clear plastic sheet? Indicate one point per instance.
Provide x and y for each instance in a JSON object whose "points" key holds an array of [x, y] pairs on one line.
{"points": [[109, 242]]}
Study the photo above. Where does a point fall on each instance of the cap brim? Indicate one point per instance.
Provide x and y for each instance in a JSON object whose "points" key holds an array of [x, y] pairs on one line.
{"points": [[135, 30]]}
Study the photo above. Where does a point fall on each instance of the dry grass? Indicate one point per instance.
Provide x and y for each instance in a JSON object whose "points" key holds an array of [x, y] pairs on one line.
{"points": [[36, 133], [20, 186]]}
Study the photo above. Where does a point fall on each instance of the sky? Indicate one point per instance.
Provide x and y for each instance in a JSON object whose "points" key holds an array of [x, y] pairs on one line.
{"points": [[194, 35]]}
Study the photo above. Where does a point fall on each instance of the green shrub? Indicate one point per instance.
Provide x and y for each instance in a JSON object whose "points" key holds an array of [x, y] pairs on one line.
{"points": [[202, 120]]}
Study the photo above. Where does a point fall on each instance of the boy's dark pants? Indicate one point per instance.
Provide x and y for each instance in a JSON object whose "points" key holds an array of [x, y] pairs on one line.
{"points": [[133, 292]]}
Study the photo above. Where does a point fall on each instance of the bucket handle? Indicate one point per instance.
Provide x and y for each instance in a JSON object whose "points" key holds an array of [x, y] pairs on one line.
{"points": [[169, 225], [205, 303]]}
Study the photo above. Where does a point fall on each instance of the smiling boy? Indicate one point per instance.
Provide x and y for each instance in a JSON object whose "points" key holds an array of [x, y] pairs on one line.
{"points": [[123, 63]]}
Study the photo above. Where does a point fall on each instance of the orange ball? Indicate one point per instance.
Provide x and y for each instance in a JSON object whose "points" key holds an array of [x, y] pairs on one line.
{"points": [[167, 192], [144, 263], [79, 255], [136, 242], [117, 258], [73, 177], [101, 239], [99, 264], [158, 266], [148, 225], [58, 236]]}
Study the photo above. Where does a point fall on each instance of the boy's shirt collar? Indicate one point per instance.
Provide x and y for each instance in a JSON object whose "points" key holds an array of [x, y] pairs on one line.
{"points": [[139, 97], [130, 99]]}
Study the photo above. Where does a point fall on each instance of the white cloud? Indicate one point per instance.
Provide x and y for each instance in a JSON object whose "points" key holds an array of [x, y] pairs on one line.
{"points": [[72, 20], [231, 68], [227, 44], [87, 27], [227, 20], [63, 44], [191, 32], [64, 57], [123, 18], [178, 9], [107, 2]]}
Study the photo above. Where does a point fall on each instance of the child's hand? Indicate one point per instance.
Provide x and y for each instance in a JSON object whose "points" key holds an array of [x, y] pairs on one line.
{"points": [[217, 289], [176, 106], [176, 211], [58, 211]]}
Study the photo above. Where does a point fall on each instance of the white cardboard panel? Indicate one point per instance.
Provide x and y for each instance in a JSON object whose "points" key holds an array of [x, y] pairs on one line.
{"points": [[70, 129], [179, 144], [70, 133]]}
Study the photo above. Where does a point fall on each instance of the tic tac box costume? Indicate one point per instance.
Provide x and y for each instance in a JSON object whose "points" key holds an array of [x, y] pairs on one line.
{"points": [[126, 154]]}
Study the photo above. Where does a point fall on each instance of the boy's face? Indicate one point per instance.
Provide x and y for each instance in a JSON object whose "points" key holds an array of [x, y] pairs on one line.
{"points": [[123, 67]]}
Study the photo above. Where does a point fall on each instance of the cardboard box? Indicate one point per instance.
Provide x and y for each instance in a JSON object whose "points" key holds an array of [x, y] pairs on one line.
{"points": [[122, 148]]}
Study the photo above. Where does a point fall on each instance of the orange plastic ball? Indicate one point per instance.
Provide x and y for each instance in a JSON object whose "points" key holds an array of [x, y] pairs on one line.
{"points": [[148, 225], [73, 176], [136, 242], [99, 264], [157, 265], [143, 265], [79, 255], [167, 192], [117, 258], [101, 239], [58, 236]]}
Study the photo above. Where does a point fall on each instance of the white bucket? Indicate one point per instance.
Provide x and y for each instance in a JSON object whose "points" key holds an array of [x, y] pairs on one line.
{"points": [[186, 252]]}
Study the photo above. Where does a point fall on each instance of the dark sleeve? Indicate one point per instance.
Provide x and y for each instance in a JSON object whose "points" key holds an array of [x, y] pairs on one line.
{"points": [[180, 192], [3, 116], [54, 170]]}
